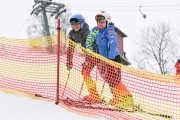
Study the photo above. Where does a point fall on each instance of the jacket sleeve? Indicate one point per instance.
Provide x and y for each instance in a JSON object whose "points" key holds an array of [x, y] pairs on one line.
{"points": [[70, 36], [177, 65], [71, 44], [70, 51], [90, 40], [84, 37], [112, 43]]}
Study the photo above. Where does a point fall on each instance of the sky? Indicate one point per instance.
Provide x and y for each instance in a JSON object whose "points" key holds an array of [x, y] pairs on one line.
{"points": [[15, 16], [127, 17]]}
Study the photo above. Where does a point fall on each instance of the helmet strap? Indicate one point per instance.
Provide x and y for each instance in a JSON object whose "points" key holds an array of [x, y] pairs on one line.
{"points": [[106, 23]]}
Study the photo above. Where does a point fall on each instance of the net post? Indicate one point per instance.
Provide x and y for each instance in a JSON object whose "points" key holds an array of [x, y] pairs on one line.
{"points": [[58, 62]]}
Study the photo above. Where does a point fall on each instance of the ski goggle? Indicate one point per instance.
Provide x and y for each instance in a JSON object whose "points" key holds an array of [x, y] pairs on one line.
{"points": [[75, 21], [99, 17]]}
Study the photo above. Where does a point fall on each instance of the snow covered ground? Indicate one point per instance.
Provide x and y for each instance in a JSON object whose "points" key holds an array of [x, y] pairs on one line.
{"points": [[14, 107]]}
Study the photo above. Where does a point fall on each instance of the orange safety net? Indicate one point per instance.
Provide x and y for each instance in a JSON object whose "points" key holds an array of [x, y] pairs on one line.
{"points": [[89, 84]]}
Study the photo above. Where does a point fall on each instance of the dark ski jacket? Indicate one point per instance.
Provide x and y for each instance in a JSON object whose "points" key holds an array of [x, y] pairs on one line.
{"points": [[80, 36]]}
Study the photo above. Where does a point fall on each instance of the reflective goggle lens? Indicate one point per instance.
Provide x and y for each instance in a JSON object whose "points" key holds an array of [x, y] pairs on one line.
{"points": [[74, 21], [99, 17]]}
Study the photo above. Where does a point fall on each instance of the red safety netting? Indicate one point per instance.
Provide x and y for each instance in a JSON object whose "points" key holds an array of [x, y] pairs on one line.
{"points": [[94, 86]]}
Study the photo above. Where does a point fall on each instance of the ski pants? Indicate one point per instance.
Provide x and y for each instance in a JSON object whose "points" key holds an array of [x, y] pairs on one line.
{"points": [[110, 73]]}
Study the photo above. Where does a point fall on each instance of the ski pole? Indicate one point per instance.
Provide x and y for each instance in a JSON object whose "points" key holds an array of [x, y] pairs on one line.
{"points": [[81, 89], [102, 89], [66, 83], [103, 84], [155, 114]]}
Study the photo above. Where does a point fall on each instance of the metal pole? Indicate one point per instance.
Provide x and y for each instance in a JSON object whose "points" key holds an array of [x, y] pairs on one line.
{"points": [[58, 63], [47, 32], [46, 26]]}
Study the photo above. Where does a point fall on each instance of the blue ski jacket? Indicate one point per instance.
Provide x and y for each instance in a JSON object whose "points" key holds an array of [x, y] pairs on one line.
{"points": [[103, 41]]}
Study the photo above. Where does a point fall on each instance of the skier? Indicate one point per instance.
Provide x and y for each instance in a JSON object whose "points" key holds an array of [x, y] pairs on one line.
{"points": [[102, 40], [78, 34], [177, 66]]}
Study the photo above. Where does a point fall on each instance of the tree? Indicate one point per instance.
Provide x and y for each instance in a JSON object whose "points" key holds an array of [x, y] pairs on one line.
{"points": [[158, 46], [36, 27]]}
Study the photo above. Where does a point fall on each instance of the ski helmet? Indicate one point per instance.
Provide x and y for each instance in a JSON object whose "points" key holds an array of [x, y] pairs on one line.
{"points": [[77, 19], [103, 16]]}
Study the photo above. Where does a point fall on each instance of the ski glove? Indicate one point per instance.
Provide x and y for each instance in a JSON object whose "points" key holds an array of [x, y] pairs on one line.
{"points": [[117, 59], [69, 65]]}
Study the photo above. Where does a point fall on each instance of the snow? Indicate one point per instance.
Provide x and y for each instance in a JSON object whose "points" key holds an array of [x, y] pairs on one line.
{"points": [[17, 107]]}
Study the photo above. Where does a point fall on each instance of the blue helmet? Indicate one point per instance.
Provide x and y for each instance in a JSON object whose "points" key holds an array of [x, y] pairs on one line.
{"points": [[77, 19]]}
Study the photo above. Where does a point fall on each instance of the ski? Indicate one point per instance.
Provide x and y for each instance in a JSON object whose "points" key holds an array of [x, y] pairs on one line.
{"points": [[86, 104], [107, 106], [137, 108], [41, 96]]}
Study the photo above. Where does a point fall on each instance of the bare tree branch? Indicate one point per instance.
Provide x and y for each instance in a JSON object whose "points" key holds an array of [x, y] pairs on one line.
{"points": [[157, 49]]}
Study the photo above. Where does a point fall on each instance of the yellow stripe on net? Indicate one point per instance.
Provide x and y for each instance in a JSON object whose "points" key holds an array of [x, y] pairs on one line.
{"points": [[28, 66]]}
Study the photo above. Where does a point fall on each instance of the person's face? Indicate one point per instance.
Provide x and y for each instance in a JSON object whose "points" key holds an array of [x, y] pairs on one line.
{"points": [[76, 27], [101, 24]]}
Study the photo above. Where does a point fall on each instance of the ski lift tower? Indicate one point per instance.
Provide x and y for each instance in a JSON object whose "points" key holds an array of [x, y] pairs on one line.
{"points": [[44, 6]]}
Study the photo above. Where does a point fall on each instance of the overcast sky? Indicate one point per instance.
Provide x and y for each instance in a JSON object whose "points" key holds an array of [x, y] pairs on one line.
{"points": [[127, 17], [15, 14]]}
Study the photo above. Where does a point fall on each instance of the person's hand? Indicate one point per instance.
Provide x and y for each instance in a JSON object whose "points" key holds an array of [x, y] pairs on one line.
{"points": [[69, 65], [117, 59]]}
